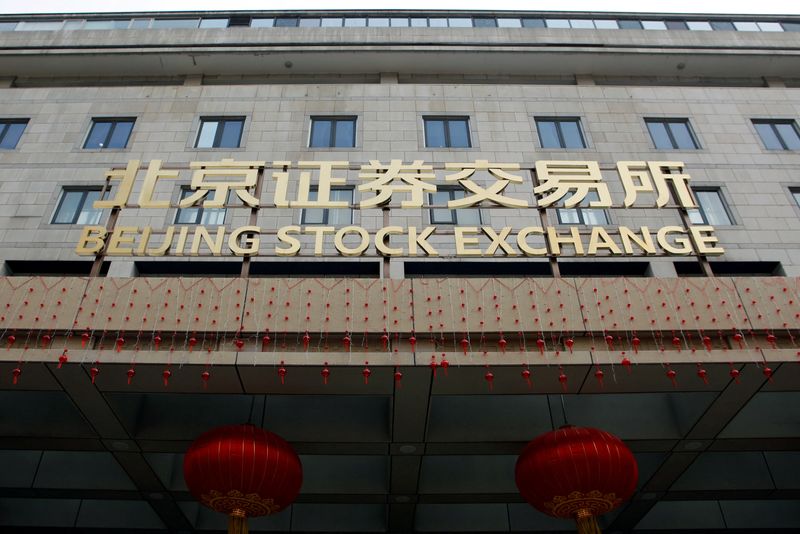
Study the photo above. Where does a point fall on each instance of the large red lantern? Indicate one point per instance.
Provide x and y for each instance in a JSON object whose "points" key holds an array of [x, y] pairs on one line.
{"points": [[242, 471], [577, 473]]}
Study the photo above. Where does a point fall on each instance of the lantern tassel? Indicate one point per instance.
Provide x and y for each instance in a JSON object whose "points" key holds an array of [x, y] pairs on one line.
{"points": [[586, 522], [237, 522]]}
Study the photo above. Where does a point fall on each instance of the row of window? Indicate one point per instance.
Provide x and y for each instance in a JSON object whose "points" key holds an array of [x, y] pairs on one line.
{"points": [[399, 22], [440, 132]]}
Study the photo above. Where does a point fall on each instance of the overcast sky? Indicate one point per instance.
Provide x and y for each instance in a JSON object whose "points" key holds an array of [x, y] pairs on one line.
{"points": [[672, 6]]}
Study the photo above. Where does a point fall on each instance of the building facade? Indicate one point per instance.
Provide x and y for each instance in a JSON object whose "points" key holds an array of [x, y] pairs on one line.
{"points": [[408, 242]]}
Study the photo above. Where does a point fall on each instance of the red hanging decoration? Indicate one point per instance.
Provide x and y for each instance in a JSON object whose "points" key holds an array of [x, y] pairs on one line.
{"points": [[445, 364], [84, 339], [119, 343], [599, 375], [62, 359], [221, 476], [46, 341], [157, 341], [771, 339], [577, 473], [282, 373], [636, 342], [702, 374], [464, 345], [526, 376], [205, 376], [676, 342], [768, 373], [326, 373], [346, 343], [610, 342], [413, 342], [398, 376], [15, 373], [433, 365], [94, 371], [265, 341], [131, 373], [562, 378], [569, 343], [737, 337], [366, 372], [385, 342], [192, 343], [10, 340], [626, 363], [166, 376], [707, 343], [671, 374], [502, 344], [239, 343], [489, 377], [734, 373], [540, 345]]}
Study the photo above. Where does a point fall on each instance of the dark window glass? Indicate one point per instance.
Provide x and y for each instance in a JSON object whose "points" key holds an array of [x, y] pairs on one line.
{"points": [[630, 24], [333, 132], [76, 207], [11, 131], [220, 133], [791, 26], [796, 195], [560, 133], [447, 133], [484, 23], [109, 133], [722, 25], [712, 209], [285, 22], [462, 216], [533, 23], [778, 134], [199, 214], [671, 134], [675, 25]]}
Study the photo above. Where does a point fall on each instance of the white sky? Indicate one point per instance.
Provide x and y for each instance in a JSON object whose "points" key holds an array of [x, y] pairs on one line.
{"points": [[662, 6]]}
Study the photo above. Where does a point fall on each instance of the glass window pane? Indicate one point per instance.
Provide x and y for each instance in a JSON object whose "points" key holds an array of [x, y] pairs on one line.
{"points": [[658, 131], [39, 26], [548, 134], [341, 216], [557, 23], [175, 23], [770, 27], [594, 217], [768, 136], [437, 23], [313, 215], [68, 208], [788, 133], [310, 23], [140, 24], [120, 134], [699, 26], [208, 131], [682, 134], [355, 22], [231, 134], [214, 23], [746, 26], [722, 25], [98, 134], [533, 23], [88, 214], [320, 133], [434, 133], [695, 217], [10, 134], [791, 26], [571, 132], [398, 22], [568, 216], [654, 25], [796, 196], [468, 216], [713, 207], [213, 216], [262, 23], [630, 24], [7, 26], [345, 133], [459, 133], [461, 23], [331, 23], [419, 23], [379, 22], [582, 24], [483, 23], [675, 25], [606, 24], [441, 215], [509, 23], [286, 22]]}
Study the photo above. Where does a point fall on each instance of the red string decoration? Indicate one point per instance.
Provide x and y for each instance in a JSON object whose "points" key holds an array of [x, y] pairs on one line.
{"points": [[15, 373], [540, 344], [326, 373], [433, 365], [465, 345], [10, 340], [166, 376], [84, 339], [398, 377], [526, 376], [636, 342], [569, 343], [445, 364], [562, 378], [672, 375], [239, 343], [734, 373], [157, 341], [599, 375], [205, 376], [413, 342], [707, 343], [737, 337], [366, 373], [119, 343], [610, 342], [502, 343], [62, 359], [306, 341], [94, 371], [384, 342], [702, 374], [265, 341], [131, 373], [489, 377], [768, 373], [771, 339], [676, 342], [626, 363], [282, 373], [192, 343], [346, 343], [46, 341]]}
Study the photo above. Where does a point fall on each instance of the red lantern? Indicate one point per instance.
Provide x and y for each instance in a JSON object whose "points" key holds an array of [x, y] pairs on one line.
{"points": [[577, 473], [242, 471]]}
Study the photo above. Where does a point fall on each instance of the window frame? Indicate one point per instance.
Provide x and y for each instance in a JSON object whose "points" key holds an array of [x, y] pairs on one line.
{"points": [[579, 210], [114, 121], [333, 119], [557, 121], [5, 127], [771, 123], [446, 119], [701, 210], [84, 190], [453, 212], [219, 133], [185, 191], [326, 211], [667, 122]]}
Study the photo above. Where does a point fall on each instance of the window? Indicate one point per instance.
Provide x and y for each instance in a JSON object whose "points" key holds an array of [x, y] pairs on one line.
{"points": [[462, 216], [630, 24], [447, 132], [712, 209], [220, 132], [795, 191], [109, 133], [778, 134], [76, 207], [587, 216], [333, 132], [199, 214], [671, 134], [330, 216], [560, 133], [10, 132]]}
